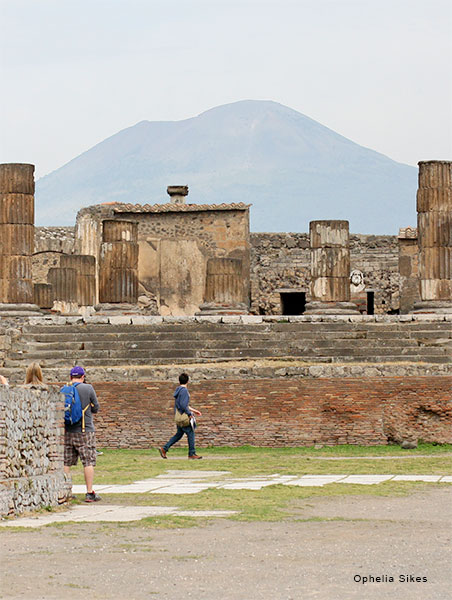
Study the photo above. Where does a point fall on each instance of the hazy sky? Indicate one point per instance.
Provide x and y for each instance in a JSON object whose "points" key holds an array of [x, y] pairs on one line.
{"points": [[74, 72]]}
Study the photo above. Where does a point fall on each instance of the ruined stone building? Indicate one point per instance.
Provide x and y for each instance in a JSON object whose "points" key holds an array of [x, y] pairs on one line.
{"points": [[290, 339], [178, 258]]}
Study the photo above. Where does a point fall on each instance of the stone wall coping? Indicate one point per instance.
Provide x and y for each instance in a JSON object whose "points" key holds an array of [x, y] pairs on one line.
{"points": [[245, 369], [228, 319]]}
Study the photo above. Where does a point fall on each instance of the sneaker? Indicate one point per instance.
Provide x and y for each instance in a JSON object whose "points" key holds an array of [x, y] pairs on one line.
{"points": [[162, 452], [92, 497], [194, 456], [99, 452]]}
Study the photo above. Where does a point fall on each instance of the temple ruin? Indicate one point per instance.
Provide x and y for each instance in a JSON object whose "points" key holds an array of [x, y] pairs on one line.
{"points": [[291, 339]]}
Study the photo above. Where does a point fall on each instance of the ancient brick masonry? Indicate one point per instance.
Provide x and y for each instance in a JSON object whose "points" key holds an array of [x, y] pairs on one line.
{"points": [[281, 412], [31, 449]]}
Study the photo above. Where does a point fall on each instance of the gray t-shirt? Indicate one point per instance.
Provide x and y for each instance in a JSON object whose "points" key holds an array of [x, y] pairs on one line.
{"points": [[88, 399]]}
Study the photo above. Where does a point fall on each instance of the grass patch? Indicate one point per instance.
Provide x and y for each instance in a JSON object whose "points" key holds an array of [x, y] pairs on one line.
{"points": [[275, 503], [126, 466]]}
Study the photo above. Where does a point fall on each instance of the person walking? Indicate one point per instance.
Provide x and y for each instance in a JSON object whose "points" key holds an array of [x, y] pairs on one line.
{"points": [[80, 438], [184, 418]]}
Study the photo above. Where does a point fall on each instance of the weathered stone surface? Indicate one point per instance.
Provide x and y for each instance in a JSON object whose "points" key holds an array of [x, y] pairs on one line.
{"points": [[31, 449]]}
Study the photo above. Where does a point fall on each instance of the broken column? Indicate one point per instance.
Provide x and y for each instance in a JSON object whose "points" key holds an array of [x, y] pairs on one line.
{"points": [[118, 263], [408, 269], [16, 237], [330, 268], [85, 267], [224, 291], [434, 207]]}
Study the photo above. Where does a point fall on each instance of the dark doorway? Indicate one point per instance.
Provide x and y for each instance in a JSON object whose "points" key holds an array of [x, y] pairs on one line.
{"points": [[370, 303], [293, 303]]}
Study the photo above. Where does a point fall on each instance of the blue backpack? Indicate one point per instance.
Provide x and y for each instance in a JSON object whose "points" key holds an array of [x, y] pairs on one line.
{"points": [[73, 412]]}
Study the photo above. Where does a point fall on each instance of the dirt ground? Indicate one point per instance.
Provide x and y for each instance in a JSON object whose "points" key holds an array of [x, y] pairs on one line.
{"points": [[310, 557]]}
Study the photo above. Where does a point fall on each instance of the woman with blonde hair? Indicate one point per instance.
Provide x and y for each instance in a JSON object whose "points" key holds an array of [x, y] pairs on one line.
{"points": [[33, 375]]}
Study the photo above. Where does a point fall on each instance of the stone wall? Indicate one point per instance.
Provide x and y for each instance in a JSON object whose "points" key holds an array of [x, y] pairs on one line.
{"points": [[175, 242], [31, 449], [281, 262], [281, 412]]}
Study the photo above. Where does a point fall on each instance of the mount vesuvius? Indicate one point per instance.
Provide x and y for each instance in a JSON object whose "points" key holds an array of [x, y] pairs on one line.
{"points": [[289, 167]]}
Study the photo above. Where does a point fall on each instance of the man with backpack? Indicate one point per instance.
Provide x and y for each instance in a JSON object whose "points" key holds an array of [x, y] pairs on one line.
{"points": [[79, 434]]}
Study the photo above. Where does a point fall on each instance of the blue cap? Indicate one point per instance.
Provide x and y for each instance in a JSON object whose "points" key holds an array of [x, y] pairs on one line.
{"points": [[77, 371]]}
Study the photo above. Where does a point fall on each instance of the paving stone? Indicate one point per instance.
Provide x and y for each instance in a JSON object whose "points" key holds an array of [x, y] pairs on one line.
{"points": [[246, 485], [190, 474], [105, 512], [205, 513], [366, 479], [430, 478], [315, 480], [184, 489]]}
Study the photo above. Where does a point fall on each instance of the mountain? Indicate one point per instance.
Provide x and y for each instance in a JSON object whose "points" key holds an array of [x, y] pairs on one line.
{"points": [[290, 168]]}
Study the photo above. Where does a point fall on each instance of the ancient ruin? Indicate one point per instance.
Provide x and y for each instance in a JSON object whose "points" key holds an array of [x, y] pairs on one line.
{"points": [[290, 339]]}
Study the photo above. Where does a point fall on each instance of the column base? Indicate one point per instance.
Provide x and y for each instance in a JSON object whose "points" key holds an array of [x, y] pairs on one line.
{"points": [[121, 308], [331, 308], [433, 307], [217, 308], [19, 310]]}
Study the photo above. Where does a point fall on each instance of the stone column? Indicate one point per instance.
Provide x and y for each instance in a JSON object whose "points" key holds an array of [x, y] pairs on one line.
{"points": [[408, 269], [330, 269], [43, 295], [224, 292], [434, 207], [64, 289], [85, 267], [16, 237], [118, 263]]}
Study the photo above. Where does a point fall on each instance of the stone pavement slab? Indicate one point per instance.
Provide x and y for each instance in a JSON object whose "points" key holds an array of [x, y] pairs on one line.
{"points": [[315, 480], [185, 474], [184, 488], [107, 512], [429, 478], [193, 482], [366, 479]]}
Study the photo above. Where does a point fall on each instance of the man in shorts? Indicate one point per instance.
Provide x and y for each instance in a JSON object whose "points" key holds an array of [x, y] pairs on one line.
{"points": [[80, 438]]}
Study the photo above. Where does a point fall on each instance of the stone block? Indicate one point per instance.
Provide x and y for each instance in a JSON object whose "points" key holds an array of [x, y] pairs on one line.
{"points": [[120, 320], [251, 319], [97, 320]]}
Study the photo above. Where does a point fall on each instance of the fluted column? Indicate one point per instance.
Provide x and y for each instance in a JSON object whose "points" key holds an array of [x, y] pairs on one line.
{"points": [[434, 207], [118, 263], [16, 234], [330, 268]]}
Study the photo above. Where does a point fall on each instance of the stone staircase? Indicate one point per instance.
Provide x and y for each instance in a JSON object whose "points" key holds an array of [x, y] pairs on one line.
{"points": [[113, 345]]}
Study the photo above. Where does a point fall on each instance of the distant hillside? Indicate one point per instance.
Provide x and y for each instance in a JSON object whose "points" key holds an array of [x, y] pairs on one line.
{"points": [[290, 168]]}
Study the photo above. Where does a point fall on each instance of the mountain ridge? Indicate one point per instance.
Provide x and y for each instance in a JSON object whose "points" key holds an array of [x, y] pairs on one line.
{"points": [[289, 167]]}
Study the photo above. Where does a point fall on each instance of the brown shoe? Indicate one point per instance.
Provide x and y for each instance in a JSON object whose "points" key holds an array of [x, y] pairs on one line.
{"points": [[162, 453], [195, 456]]}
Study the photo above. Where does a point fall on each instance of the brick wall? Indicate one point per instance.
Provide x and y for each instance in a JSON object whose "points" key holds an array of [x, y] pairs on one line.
{"points": [[271, 412]]}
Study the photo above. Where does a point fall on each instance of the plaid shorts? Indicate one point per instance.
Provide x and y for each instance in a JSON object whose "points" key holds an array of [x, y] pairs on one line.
{"points": [[80, 444]]}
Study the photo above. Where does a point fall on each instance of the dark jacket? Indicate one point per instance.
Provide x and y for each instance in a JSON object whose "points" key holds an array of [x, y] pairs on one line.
{"points": [[182, 400]]}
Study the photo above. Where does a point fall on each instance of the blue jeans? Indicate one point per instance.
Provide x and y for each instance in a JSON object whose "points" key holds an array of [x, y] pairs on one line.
{"points": [[177, 436]]}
